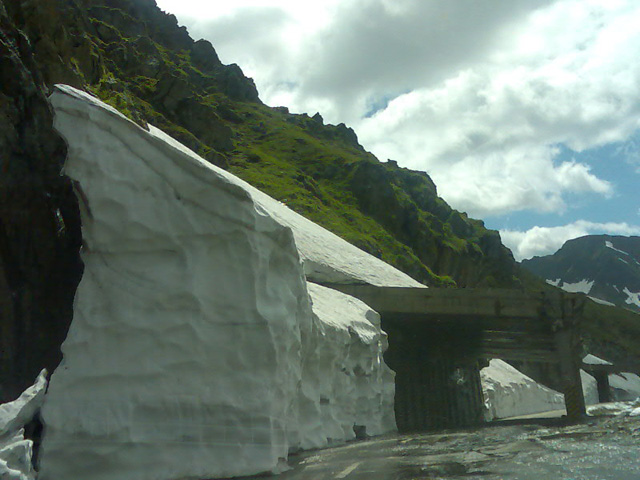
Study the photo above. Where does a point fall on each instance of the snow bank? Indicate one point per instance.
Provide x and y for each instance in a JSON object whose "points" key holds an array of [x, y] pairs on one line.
{"points": [[15, 450], [510, 393], [625, 386], [593, 360], [326, 257], [346, 371], [191, 352], [589, 388]]}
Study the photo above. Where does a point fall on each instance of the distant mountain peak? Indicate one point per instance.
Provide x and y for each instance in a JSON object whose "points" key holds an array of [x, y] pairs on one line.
{"points": [[605, 267]]}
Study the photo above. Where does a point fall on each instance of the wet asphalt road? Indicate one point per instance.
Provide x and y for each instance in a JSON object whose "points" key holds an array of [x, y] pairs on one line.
{"points": [[600, 448]]}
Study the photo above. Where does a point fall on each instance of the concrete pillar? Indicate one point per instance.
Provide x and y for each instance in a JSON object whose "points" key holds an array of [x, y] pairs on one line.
{"points": [[604, 391], [569, 361]]}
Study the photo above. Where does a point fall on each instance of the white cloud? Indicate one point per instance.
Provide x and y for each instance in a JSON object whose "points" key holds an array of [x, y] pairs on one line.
{"points": [[539, 241], [524, 179]]}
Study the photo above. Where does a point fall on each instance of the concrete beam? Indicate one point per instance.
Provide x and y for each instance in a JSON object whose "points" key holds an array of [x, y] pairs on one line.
{"points": [[464, 303]]}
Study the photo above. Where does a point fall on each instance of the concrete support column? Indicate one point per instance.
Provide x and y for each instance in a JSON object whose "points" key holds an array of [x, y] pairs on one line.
{"points": [[604, 390], [570, 374]]}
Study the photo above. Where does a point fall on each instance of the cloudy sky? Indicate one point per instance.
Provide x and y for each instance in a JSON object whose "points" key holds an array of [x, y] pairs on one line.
{"points": [[526, 113]]}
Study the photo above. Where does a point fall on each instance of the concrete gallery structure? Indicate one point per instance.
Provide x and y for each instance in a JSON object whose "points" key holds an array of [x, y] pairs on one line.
{"points": [[440, 338]]}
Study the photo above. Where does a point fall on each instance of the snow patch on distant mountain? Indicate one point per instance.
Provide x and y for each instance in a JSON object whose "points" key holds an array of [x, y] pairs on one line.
{"points": [[633, 298], [602, 302], [583, 286], [601, 266], [510, 393], [609, 244]]}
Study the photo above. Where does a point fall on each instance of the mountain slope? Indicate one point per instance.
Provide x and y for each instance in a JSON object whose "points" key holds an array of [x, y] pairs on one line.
{"points": [[137, 58], [602, 266]]}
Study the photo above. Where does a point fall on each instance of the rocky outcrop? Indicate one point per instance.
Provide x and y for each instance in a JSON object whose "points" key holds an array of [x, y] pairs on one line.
{"points": [[451, 244]]}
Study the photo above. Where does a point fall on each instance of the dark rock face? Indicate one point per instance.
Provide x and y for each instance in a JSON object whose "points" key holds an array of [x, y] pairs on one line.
{"points": [[39, 220]]}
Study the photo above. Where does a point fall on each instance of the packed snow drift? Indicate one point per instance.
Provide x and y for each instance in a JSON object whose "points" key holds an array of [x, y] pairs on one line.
{"points": [[509, 393], [15, 450], [195, 351]]}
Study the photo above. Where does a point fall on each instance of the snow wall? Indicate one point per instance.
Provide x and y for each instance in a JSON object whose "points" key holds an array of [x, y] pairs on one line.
{"points": [[509, 393], [195, 350]]}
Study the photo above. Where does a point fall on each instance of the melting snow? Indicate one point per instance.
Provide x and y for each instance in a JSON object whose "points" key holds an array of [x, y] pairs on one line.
{"points": [[555, 282], [626, 385], [627, 409]]}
